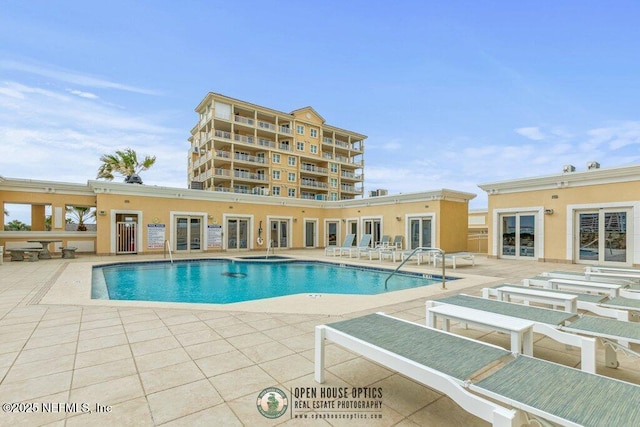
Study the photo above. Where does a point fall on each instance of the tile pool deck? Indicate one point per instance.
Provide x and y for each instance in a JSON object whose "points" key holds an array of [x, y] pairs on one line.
{"points": [[155, 364]]}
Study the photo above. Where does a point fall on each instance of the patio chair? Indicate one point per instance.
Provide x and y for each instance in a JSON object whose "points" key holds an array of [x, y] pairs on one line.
{"points": [[453, 257], [383, 244], [363, 244], [397, 242], [348, 242], [616, 334], [479, 377]]}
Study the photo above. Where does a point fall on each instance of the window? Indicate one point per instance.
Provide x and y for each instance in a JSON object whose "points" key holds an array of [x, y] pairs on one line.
{"points": [[300, 146], [334, 167], [276, 174], [313, 133], [334, 182], [313, 149], [276, 191], [300, 130], [292, 177], [292, 161], [292, 192], [275, 157], [334, 196]]}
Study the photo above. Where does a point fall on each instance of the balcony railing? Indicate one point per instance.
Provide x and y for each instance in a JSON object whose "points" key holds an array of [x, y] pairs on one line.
{"points": [[350, 188], [223, 154], [222, 172], [249, 175], [285, 147], [313, 168], [312, 183], [249, 158], [222, 189], [222, 134], [266, 143], [326, 140], [266, 125], [285, 129], [246, 120], [343, 144], [244, 138]]}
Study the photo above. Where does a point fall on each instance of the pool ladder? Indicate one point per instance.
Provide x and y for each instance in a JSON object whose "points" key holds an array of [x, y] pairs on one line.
{"points": [[269, 247], [416, 250]]}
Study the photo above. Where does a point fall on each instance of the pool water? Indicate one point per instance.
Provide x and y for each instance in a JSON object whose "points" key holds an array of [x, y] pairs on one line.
{"points": [[228, 281]]}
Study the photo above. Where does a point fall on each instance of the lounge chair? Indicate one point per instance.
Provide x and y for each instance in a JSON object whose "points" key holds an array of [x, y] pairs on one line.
{"points": [[383, 244], [454, 365], [453, 257], [615, 333], [397, 242], [348, 242], [363, 244]]}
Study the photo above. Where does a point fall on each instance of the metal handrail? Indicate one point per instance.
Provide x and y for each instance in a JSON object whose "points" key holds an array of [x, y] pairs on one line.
{"points": [[167, 245], [420, 249]]}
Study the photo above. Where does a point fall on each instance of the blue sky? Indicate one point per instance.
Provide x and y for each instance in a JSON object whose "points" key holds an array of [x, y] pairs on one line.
{"points": [[450, 94]]}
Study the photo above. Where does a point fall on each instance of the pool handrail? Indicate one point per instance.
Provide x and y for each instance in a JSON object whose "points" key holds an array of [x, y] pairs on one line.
{"points": [[167, 246], [419, 249]]}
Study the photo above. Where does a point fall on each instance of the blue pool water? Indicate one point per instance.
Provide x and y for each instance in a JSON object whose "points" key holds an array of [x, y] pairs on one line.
{"points": [[229, 281]]}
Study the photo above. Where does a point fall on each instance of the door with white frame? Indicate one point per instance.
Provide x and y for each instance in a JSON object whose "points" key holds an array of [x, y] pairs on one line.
{"points": [[189, 232], [237, 233], [279, 233], [310, 227], [373, 226], [332, 233], [602, 236], [420, 232], [352, 228], [518, 235]]}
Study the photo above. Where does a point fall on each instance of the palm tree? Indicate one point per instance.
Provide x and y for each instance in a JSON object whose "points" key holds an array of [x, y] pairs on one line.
{"points": [[16, 225], [81, 214], [125, 163]]}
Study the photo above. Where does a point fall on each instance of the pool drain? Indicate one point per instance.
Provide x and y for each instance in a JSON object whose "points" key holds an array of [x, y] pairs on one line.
{"points": [[235, 275]]}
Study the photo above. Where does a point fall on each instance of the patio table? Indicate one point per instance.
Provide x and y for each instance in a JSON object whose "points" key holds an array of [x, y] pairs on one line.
{"points": [[44, 254]]}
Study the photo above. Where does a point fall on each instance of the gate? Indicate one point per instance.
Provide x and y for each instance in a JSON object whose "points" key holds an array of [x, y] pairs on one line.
{"points": [[126, 238]]}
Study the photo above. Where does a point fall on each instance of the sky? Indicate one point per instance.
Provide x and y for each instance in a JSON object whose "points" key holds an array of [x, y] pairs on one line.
{"points": [[450, 94]]}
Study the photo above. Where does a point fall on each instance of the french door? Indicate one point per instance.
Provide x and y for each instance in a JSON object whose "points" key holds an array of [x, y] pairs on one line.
{"points": [[237, 233], [602, 236], [309, 234], [352, 228], [518, 233], [420, 234], [279, 233], [373, 227], [188, 233], [331, 230]]}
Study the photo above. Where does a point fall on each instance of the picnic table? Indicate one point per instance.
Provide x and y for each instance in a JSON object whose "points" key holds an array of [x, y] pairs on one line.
{"points": [[44, 254]]}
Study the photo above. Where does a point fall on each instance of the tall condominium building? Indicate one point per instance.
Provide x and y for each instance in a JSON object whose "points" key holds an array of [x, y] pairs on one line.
{"points": [[245, 148]]}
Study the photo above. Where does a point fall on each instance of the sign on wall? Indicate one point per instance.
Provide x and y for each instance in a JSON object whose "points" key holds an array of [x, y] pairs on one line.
{"points": [[214, 236], [155, 236]]}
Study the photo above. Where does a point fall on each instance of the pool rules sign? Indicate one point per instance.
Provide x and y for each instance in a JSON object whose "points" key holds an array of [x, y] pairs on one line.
{"points": [[155, 236]]}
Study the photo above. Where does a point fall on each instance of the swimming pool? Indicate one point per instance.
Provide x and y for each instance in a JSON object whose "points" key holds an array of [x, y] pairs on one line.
{"points": [[223, 281]]}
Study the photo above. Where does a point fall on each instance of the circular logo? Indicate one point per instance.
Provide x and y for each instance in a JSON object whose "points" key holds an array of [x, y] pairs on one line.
{"points": [[272, 402]]}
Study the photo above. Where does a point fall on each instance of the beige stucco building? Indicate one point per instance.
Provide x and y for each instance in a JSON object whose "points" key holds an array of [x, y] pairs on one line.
{"points": [[244, 148], [133, 218], [590, 216]]}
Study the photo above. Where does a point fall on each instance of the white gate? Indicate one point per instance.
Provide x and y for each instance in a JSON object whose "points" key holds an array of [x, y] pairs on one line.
{"points": [[126, 238]]}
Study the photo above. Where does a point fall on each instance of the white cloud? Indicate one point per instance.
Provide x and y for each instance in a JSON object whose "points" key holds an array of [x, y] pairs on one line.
{"points": [[533, 133], [67, 76], [82, 94]]}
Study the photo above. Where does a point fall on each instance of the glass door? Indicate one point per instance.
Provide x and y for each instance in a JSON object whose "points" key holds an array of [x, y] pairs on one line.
{"points": [[331, 237], [352, 228], [279, 233], [188, 233], [309, 234], [372, 226], [420, 233], [602, 236], [237, 233], [518, 235]]}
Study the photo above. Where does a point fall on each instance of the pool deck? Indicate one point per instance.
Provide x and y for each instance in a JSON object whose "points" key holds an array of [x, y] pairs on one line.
{"points": [[177, 364]]}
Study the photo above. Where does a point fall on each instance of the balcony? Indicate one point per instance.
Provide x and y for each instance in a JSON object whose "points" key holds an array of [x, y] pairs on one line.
{"points": [[326, 140], [266, 126], [249, 176], [244, 138], [350, 189], [248, 158], [307, 167], [349, 160], [222, 189], [222, 173], [285, 129], [312, 183], [223, 134], [263, 142], [244, 120], [350, 176], [284, 147]]}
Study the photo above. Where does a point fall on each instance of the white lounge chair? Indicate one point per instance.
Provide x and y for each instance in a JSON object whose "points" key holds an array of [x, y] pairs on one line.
{"points": [[348, 242], [450, 364], [453, 257], [383, 244]]}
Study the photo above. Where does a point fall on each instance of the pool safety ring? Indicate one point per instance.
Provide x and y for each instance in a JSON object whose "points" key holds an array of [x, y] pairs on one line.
{"points": [[260, 241]]}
